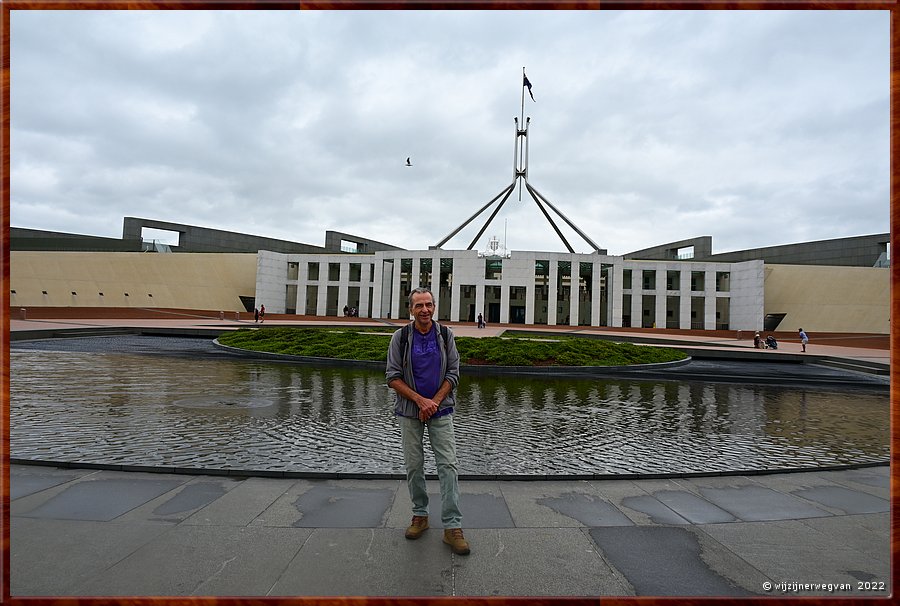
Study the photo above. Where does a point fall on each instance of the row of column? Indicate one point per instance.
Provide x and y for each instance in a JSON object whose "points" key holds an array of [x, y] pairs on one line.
{"points": [[389, 301], [396, 302], [685, 299]]}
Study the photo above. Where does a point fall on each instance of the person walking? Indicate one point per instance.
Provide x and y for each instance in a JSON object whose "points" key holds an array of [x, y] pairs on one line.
{"points": [[804, 339], [262, 314], [423, 370], [256, 314]]}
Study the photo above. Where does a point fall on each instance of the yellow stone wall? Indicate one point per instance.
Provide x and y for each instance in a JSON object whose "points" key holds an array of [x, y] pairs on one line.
{"points": [[829, 299], [816, 298], [212, 281]]}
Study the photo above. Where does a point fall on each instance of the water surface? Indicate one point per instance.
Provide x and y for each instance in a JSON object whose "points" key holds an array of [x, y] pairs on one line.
{"points": [[138, 409]]}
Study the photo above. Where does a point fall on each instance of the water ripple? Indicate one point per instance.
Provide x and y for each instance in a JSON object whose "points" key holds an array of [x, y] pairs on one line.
{"points": [[124, 408]]}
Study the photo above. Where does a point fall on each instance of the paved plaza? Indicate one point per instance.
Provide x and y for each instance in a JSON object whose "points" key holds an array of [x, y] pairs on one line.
{"points": [[108, 532], [113, 533]]}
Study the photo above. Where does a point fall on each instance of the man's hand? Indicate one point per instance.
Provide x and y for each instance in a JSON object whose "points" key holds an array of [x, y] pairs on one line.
{"points": [[427, 408]]}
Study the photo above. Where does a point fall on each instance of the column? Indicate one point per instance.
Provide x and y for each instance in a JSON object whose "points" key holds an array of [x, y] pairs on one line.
{"points": [[551, 291]]}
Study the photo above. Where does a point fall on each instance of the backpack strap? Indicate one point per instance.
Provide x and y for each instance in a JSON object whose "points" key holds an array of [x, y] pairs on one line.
{"points": [[404, 342]]}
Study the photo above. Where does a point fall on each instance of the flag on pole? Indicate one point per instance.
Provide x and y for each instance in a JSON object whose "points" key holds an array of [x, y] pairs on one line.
{"points": [[528, 84]]}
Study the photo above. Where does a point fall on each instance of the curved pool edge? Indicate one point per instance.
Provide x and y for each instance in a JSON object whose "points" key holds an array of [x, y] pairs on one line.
{"points": [[470, 369], [326, 475]]}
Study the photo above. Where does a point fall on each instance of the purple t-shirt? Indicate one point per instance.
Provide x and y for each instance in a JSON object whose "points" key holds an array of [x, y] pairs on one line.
{"points": [[426, 362]]}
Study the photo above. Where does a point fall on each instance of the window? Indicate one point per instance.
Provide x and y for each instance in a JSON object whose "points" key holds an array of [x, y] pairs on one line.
{"points": [[313, 271], [626, 279], [355, 272], [293, 271], [425, 272], [334, 272], [290, 299], [405, 280], [493, 269], [723, 281], [446, 272], [698, 281], [673, 280], [563, 282]]}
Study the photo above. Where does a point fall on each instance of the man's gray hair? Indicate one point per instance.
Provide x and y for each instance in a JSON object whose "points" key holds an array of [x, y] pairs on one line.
{"points": [[419, 290]]}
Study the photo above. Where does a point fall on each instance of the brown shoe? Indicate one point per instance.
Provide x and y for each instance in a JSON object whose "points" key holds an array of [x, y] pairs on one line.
{"points": [[457, 542], [418, 525]]}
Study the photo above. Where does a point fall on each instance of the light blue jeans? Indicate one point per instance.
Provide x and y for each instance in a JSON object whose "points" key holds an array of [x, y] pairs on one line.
{"points": [[443, 445]]}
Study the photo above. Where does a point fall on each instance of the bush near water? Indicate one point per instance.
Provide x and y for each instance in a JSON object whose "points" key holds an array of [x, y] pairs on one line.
{"points": [[372, 344]]}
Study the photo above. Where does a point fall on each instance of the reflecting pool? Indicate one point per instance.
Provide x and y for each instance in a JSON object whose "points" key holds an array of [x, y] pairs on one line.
{"points": [[136, 409]]}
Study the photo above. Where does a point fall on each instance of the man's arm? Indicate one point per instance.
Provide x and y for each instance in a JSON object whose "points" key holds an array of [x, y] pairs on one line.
{"points": [[427, 407]]}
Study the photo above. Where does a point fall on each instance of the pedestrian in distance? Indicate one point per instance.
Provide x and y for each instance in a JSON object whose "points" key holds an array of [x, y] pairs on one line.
{"points": [[804, 339], [480, 320], [262, 314], [423, 370], [256, 314]]}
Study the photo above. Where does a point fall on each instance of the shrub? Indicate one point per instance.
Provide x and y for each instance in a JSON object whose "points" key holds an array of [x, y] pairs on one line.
{"points": [[372, 344]]}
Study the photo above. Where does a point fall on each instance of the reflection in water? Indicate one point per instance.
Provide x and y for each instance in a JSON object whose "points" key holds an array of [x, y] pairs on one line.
{"points": [[149, 410]]}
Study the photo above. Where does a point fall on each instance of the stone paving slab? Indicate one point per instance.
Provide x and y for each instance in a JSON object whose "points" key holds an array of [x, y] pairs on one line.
{"points": [[52, 557], [370, 562], [654, 509], [760, 503], [183, 501], [874, 480], [535, 561], [485, 510], [786, 551], [241, 505], [587, 509], [664, 561], [101, 500], [201, 560], [843, 499], [336, 506], [524, 501], [693, 508], [870, 533], [38, 480]]}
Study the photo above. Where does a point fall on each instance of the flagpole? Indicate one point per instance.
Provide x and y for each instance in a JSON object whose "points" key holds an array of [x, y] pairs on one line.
{"points": [[519, 146]]}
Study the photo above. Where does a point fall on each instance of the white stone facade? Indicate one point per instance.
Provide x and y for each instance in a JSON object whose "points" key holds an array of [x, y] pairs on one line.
{"points": [[527, 288]]}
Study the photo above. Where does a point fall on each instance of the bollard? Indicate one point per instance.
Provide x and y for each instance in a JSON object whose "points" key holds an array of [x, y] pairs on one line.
{"points": [[221, 315], [237, 316], [22, 313], [739, 335]]}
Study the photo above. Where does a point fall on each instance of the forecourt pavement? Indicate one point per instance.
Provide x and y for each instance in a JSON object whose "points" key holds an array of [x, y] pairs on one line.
{"points": [[84, 532]]}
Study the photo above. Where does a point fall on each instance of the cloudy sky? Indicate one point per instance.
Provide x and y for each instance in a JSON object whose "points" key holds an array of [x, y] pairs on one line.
{"points": [[755, 127]]}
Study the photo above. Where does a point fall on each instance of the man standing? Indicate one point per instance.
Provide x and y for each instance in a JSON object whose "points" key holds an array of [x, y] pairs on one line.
{"points": [[423, 370], [803, 339]]}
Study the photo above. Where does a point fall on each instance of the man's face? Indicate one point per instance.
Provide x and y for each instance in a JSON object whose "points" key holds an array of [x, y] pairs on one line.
{"points": [[422, 307]]}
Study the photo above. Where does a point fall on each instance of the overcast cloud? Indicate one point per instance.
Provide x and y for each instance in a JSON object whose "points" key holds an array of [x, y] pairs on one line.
{"points": [[755, 127]]}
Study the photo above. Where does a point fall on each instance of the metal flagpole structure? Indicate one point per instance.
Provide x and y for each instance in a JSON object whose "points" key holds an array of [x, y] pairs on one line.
{"points": [[520, 176]]}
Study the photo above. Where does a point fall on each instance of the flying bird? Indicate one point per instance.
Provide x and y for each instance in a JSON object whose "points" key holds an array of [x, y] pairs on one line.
{"points": [[407, 162]]}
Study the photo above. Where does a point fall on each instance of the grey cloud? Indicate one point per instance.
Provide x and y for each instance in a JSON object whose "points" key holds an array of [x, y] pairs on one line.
{"points": [[648, 126]]}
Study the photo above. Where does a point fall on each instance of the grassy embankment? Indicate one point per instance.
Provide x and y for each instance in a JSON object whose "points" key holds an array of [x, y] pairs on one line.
{"points": [[372, 344]]}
